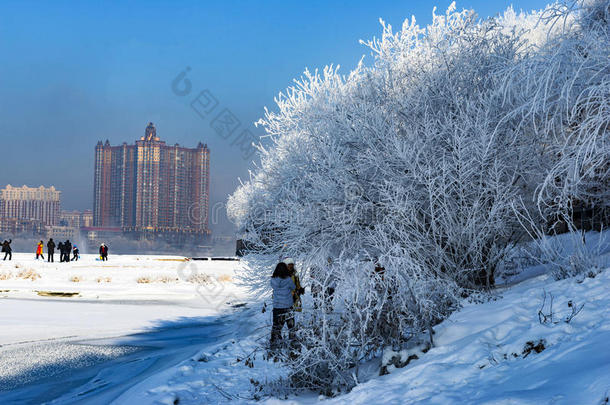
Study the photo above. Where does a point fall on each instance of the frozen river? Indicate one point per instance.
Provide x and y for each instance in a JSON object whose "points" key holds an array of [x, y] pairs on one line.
{"points": [[99, 371]]}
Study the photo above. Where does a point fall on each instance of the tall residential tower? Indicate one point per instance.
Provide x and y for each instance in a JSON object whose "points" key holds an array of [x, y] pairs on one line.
{"points": [[152, 188]]}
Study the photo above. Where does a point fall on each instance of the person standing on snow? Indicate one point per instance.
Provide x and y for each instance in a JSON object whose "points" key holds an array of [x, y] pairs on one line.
{"points": [[75, 253], [67, 250], [39, 251], [104, 252], [298, 290], [283, 302], [61, 249], [6, 248], [50, 250]]}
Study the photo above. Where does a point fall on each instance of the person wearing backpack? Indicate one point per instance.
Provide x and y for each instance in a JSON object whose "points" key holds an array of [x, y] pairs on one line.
{"points": [[62, 250]]}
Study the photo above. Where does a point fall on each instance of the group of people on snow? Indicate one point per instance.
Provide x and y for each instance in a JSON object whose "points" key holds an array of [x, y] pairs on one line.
{"points": [[67, 251]]}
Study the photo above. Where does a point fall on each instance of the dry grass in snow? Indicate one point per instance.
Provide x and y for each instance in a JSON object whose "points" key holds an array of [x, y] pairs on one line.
{"points": [[199, 278], [28, 274], [144, 280]]}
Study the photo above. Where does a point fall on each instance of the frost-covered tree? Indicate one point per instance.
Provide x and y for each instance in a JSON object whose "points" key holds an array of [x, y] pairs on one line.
{"points": [[563, 91], [417, 163]]}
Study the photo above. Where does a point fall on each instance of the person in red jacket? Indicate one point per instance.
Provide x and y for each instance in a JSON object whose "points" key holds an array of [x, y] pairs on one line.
{"points": [[39, 251]]}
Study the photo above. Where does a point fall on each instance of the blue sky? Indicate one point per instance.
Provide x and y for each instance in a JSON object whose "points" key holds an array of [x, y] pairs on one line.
{"points": [[73, 73]]}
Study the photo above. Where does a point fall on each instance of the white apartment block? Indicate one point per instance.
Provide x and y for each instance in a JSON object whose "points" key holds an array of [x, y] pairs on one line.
{"points": [[40, 204]]}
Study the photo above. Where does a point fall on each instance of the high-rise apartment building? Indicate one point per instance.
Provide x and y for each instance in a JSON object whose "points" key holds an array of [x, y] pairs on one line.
{"points": [[152, 187], [28, 209]]}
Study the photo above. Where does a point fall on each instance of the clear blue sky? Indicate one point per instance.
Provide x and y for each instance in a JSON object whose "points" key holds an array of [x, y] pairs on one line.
{"points": [[73, 73]]}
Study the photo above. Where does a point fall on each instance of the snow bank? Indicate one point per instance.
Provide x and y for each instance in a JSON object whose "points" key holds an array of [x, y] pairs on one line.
{"points": [[479, 354]]}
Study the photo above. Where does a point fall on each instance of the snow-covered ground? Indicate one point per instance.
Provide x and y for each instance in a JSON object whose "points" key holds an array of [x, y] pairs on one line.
{"points": [[163, 343], [65, 325], [123, 295], [480, 357]]}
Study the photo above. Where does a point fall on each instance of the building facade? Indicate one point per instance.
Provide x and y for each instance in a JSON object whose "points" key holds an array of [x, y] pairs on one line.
{"points": [[151, 187], [62, 233], [24, 209], [72, 219], [87, 218]]}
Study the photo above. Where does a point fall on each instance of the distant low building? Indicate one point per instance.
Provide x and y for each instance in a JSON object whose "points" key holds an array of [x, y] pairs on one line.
{"points": [[62, 232], [72, 219], [26, 209], [15, 226]]}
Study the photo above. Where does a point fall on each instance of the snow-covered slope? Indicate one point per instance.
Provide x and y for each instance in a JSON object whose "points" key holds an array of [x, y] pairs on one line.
{"points": [[481, 356]]}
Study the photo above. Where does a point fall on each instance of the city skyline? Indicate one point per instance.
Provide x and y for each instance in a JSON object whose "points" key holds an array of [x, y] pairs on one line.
{"points": [[16, 202], [67, 91]]}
